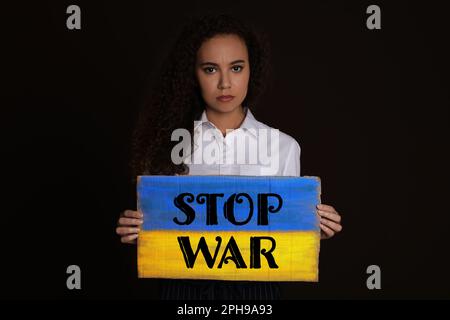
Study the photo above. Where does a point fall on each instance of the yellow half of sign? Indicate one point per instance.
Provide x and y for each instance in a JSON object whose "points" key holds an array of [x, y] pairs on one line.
{"points": [[296, 254]]}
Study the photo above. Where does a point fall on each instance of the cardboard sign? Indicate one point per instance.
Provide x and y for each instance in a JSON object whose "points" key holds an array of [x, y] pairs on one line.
{"points": [[229, 228]]}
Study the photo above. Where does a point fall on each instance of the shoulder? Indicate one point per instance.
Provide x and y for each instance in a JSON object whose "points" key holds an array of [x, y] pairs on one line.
{"points": [[286, 142]]}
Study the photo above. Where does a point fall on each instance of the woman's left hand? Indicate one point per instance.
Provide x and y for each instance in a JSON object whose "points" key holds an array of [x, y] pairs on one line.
{"points": [[330, 221]]}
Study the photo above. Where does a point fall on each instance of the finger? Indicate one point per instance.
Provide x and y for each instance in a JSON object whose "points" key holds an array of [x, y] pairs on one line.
{"points": [[329, 215], [129, 239], [325, 207], [332, 225], [328, 232], [132, 214], [126, 230], [130, 222]]}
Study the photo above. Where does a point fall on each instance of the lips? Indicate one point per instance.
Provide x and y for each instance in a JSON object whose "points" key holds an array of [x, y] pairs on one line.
{"points": [[225, 98]]}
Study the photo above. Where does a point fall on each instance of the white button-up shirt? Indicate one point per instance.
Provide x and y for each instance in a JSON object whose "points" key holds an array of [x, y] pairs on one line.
{"points": [[218, 154]]}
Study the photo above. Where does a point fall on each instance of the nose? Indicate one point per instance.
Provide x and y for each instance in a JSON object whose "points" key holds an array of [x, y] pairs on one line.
{"points": [[224, 82]]}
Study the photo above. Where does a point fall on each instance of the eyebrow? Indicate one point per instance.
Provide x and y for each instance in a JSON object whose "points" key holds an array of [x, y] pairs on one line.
{"points": [[215, 64]]}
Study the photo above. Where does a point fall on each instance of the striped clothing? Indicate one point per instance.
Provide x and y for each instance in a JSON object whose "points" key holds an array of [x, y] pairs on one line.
{"points": [[218, 290]]}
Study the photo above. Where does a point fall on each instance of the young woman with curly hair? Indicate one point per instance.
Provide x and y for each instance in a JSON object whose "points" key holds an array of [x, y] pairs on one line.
{"points": [[214, 75]]}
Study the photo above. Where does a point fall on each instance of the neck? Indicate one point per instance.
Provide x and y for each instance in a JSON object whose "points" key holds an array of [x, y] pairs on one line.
{"points": [[226, 120]]}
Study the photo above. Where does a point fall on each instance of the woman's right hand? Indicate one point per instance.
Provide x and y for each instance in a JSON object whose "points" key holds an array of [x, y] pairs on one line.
{"points": [[129, 226]]}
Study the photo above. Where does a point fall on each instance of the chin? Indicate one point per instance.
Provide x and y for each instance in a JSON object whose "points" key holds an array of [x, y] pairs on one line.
{"points": [[224, 107]]}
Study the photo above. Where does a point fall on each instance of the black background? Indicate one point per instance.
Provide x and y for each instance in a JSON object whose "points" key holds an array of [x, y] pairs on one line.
{"points": [[368, 107]]}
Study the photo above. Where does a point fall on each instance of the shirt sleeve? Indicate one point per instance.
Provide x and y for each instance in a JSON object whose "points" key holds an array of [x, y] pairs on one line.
{"points": [[292, 164]]}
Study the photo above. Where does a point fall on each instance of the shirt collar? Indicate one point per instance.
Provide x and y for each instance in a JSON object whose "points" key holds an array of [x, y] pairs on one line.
{"points": [[249, 122]]}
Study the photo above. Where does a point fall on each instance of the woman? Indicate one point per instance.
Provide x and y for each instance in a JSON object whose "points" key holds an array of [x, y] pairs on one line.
{"points": [[215, 73]]}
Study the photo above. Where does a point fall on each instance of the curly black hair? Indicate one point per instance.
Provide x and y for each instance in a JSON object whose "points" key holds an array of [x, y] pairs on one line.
{"points": [[176, 100]]}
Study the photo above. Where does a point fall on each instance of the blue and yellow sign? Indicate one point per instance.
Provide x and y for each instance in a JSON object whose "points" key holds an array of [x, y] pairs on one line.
{"points": [[229, 228]]}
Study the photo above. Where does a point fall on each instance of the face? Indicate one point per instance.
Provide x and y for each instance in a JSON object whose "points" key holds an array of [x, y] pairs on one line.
{"points": [[222, 69]]}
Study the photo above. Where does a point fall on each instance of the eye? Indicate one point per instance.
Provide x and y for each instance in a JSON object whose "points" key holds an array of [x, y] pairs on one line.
{"points": [[209, 69], [239, 68]]}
